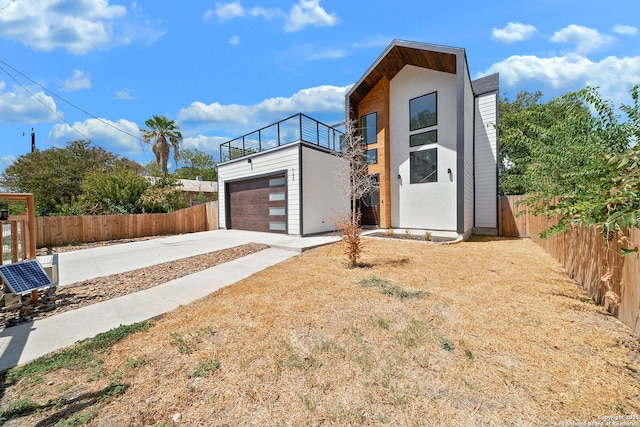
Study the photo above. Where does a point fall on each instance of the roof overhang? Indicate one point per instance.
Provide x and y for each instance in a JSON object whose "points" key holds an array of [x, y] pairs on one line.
{"points": [[398, 54]]}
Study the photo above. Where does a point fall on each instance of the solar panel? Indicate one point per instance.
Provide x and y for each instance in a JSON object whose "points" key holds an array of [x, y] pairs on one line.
{"points": [[24, 276]]}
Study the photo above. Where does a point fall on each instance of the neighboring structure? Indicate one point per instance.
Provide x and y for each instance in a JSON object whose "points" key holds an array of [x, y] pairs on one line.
{"points": [[195, 191], [198, 191], [281, 178], [430, 142], [430, 138]]}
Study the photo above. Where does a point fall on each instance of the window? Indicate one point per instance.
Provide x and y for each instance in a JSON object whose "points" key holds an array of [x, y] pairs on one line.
{"points": [[277, 211], [372, 156], [428, 137], [424, 166], [277, 226], [423, 111], [274, 197], [276, 182], [369, 126], [373, 198]]}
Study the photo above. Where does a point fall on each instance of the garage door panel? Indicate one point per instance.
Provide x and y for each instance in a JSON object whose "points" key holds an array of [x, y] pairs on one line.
{"points": [[258, 204]]}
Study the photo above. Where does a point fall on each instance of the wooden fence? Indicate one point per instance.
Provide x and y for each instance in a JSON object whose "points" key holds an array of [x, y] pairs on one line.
{"points": [[586, 256], [62, 230]]}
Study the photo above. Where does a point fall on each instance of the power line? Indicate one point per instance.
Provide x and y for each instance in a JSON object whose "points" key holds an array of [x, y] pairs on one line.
{"points": [[62, 99], [40, 101]]}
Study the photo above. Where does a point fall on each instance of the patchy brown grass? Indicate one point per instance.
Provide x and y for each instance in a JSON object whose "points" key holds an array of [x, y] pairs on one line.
{"points": [[500, 336]]}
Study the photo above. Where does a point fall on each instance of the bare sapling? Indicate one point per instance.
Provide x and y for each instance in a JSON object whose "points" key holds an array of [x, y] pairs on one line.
{"points": [[357, 184]]}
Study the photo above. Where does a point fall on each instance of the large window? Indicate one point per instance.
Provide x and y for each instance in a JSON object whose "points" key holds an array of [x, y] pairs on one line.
{"points": [[423, 111], [369, 126], [424, 166]]}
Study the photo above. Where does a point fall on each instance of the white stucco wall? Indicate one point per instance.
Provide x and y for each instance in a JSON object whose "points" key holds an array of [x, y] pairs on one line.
{"points": [[283, 159], [486, 161], [322, 190], [429, 205]]}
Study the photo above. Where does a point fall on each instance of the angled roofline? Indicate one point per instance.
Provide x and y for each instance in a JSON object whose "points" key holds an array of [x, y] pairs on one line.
{"points": [[486, 84], [458, 53]]}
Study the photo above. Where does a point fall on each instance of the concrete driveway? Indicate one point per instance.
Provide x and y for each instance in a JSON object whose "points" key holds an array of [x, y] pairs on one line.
{"points": [[86, 264]]}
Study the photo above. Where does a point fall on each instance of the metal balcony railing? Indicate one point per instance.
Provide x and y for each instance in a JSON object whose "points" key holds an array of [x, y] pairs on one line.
{"points": [[298, 127]]}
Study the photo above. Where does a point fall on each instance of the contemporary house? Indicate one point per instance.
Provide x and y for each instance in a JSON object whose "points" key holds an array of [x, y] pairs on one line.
{"points": [[431, 144], [430, 139]]}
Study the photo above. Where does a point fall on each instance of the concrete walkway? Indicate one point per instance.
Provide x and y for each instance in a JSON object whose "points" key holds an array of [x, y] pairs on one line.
{"points": [[25, 342]]}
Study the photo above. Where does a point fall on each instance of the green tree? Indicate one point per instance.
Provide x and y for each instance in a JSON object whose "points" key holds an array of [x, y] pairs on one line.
{"points": [[162, 134], [577, 162], [515, 129], [55, 175], [197, 163], [119, 191]]}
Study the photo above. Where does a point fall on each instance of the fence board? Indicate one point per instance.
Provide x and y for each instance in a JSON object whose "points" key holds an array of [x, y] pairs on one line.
{"points": [[585, 255], [512, 225], [58, 230]]}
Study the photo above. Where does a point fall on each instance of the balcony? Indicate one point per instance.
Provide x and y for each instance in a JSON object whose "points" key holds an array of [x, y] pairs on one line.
{"points": [[296, 128]]}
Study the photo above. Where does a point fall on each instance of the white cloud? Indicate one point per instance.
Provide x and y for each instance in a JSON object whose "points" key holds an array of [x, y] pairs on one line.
{"points": [[309, 12], [208, 14], [235, 40], [379, 41], [21, 107], [78, 26], [626, 30], [302, 14], [586, 39], [513, 32], [265, 13], [124, 94], [614, 75], [327, 54], [79, 80], [205, 143], [102, 132], [226, 11], [313, 100]]}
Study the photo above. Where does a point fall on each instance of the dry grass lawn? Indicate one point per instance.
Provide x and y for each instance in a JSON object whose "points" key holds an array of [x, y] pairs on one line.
{"points": [[500, 336]]}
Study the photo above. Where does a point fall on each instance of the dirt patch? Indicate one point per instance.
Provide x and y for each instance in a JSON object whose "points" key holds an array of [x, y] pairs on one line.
{"points": [[498, 336], [58, 300]]}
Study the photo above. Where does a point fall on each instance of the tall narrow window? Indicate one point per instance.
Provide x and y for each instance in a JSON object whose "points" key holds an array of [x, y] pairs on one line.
{"points": [[372, 156], [423, 111], [369, 126]]}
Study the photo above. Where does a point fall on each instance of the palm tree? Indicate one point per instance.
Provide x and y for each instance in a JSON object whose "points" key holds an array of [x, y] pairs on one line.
{"points": [[159, 130]]}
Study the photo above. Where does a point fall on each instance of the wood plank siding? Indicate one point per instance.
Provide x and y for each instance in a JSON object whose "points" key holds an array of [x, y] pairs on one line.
{"points": [[377, 101], [395, 59]]}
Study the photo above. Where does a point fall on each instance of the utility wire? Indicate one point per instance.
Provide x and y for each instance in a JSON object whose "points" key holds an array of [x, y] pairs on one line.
{"points": [[62, 99], [40, 101]]}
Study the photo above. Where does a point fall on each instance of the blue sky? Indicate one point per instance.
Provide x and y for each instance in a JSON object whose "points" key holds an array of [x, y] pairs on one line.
{"points": [[97, 69]]}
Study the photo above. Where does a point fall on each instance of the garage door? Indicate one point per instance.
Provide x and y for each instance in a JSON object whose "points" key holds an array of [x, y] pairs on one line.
{"points": [[258, 204]]}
